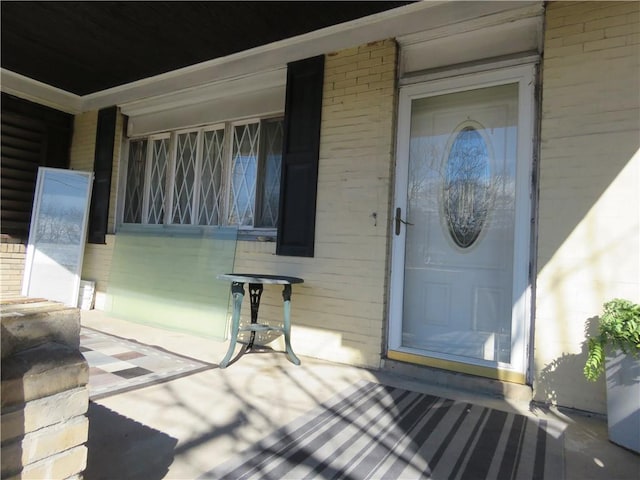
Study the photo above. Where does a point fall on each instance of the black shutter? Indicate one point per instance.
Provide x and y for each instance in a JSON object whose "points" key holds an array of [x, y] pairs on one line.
{"points": [[32, 136], [300, 154], [23, 145], [102, 165]]}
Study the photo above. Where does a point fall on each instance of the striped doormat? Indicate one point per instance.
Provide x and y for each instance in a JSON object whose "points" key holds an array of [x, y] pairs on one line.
{"points": [[377, 431]]}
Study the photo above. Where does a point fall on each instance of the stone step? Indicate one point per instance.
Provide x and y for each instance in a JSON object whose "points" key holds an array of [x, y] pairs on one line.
{"points": [[28, 322], [460, 381], [42, 371]]}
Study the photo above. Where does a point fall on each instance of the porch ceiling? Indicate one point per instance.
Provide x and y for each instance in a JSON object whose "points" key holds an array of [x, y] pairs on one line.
{"points": [[87, 47]]}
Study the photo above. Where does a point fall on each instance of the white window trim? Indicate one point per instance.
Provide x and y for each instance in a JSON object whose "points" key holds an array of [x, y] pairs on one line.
{"points": [[230, 146], [171, 179], [147, 176], [211, 128]]}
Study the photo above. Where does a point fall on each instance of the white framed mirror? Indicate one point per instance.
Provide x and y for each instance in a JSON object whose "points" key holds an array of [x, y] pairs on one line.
{"points": [[57, 235]]}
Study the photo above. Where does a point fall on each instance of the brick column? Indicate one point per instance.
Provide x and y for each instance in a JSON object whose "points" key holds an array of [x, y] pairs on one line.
{"points": [[45, 397]]}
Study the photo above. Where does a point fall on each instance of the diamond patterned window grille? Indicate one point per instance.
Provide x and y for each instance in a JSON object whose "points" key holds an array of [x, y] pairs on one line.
{"points": [[272, 155], [211, 178], [183, 185], [224, 175], [243, 174], [157, 184], [134, 192]]}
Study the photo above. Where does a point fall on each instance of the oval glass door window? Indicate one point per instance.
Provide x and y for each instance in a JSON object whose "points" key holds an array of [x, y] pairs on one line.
{"points": [[467, 194]]}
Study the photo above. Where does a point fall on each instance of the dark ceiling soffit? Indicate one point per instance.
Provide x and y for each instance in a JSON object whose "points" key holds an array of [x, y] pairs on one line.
{"points": [[86, 47]]}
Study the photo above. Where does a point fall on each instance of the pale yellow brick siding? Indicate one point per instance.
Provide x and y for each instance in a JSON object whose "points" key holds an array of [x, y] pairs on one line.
{"points": [[338, 312], [97, 258], [83, 153], [83, 144], [589, 209], [97, 267], [12, 258]]}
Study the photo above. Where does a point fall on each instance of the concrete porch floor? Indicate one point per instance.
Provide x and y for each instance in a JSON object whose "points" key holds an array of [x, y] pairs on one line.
{"points": [[185, 427]]}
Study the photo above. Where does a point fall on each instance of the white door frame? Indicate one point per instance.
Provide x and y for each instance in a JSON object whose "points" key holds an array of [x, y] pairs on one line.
{"points": [[525, 76]]}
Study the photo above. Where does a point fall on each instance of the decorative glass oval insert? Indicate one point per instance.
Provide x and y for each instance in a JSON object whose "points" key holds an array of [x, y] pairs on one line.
{"points": [[467, 193]]}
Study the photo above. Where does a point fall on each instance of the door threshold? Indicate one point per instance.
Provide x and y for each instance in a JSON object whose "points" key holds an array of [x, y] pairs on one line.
{"points": [[457, 366], [460, 381]]}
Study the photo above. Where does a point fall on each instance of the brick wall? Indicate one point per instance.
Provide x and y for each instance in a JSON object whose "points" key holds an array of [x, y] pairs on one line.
{"points": [[83, 153], [338, 312], [83, 145], [97, 258], [12, 257], [589, 212], [96, 266], [45, 397]]}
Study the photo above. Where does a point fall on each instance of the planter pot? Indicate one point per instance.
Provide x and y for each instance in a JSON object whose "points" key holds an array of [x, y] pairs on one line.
{"points": [[623, 400]]}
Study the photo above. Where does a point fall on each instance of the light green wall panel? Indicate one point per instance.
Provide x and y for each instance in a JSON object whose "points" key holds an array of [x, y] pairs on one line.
{"points": [[169, 279]]}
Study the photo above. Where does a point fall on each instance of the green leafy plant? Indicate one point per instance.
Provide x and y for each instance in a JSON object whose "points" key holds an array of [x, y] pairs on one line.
{"points": [[619, 329]]}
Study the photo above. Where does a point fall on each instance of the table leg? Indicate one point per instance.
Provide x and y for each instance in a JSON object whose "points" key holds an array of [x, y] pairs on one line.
{"points": [[255, 292], [286, 297], [237, 290]]}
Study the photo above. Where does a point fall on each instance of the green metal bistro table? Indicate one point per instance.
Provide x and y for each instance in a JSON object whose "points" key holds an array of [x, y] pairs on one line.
{"points": [[256, 285]]}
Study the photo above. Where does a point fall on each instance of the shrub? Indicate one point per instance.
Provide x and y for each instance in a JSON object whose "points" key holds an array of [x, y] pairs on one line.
{"points": [[619, 329]]}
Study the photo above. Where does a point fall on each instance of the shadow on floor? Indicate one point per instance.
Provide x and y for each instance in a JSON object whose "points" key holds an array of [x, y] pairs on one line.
{"points": [[119, 447]]}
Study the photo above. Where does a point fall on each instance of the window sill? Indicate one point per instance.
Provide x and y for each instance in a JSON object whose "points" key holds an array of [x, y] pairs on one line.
{"points": [[244, 234], [257, 234]]}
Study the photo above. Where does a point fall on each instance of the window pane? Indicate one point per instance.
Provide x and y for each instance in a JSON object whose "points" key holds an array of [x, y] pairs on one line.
{"points": [[243, 174], [135, 181], [272, 157], [466, 194], [184, 177], [211, 178], [159, 159]]}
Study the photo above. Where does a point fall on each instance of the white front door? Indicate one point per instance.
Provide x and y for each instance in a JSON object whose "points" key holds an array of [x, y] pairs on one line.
{"points": [[460, 265]]}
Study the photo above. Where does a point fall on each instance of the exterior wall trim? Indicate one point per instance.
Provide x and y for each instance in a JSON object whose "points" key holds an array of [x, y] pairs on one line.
{"points": [[220, 89], [470, 68], [38, 92], [498, 37], [527, 10]]}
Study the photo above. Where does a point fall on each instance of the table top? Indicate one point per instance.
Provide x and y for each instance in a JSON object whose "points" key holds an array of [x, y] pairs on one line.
{"points": [[259, 278]]}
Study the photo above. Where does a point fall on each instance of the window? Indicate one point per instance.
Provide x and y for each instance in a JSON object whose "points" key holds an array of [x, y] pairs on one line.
{"points": [[217, 175]]}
